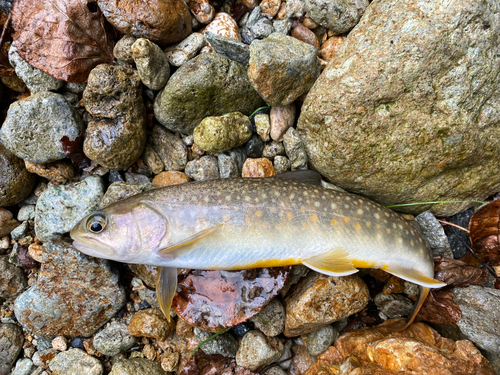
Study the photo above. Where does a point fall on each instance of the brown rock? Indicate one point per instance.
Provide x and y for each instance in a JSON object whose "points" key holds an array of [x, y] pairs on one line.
{"points": [[250, 3], [309, 23], [223, 24], [270, 7], [281, 119], [161, 21], [146, 272], [261, 167], [282, 11], [202, 10], [330, 47], [7, 222], [305, 35], [151, 323], [318, 300], [12, 279], [302, 359], [57, 172], [170, 178], [169, 147], [15, 181]]}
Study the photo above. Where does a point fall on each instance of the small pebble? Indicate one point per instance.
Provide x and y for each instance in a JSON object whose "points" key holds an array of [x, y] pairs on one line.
{"points": [[270, 7], [75, 362], [223, 24], [114, 339], [11, 343], [258, 168], [26, 212], [204, 168], [433, 232], [13, 279], [123, 49], [20, 231], [393, 305], [152, 160], [170, 178], [228, 166], [263, 126], [229, 47], [169, 147], [330, 47], [184, 51], [43, 357], [282, 26], [271, 319], [262, 28], [136, 366], [170, 361], [59, 343], [151, 323], [320, 340], [257, 350], [224, 344], [152, 64], [58, 172], [24, 366], [7, 222], [202, 10], [273, 149], [254, 147], [305, 35], [295, 150]]}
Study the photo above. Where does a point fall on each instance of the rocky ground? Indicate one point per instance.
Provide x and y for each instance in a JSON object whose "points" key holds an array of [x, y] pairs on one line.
{"points": [[396, 101]]}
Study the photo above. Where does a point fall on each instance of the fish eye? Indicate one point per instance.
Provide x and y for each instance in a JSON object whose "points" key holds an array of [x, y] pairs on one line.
{"points": [[96, 223]]}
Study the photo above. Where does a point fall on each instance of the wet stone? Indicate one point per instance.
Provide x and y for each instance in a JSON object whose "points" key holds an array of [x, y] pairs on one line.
{"points": [[258, 168], [61, 207], [169, 147], [282, 26], [434, 233], [144, 293], [121, 190], [42, 357], [254, 147], [320, 340], [229, 47], [151, 323], [170, 178], [113, 339], [151, 63], [11, 343], [276, 370], [73, 295], [271, 320], [295, 150], [57, 172], [247, 36], [184, 51], [281, 164], [20, 231], [35, 125], [204, 168], [224, 344], [7, 222], [137, 366], [228, 166], [262, 28], [75, 362], [223, 24], [123, 49], [393, 305], [257, 350], [338, 16], [302, 33]]}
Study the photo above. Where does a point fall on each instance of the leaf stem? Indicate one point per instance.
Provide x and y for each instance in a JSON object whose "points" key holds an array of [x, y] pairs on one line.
{"points": [[258, 109], [209, 339]]}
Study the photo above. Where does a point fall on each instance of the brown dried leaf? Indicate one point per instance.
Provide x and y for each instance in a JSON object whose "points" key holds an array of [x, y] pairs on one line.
{"points": [[74, 151], [64, 38], [457, 273], [440, 308], [484, 230], [212, 300]]}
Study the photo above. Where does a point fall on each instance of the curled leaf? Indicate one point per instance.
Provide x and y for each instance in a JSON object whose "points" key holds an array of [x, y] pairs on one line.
{"points": [[457, 273], [64, 38], [485, 233], [440, 308]]}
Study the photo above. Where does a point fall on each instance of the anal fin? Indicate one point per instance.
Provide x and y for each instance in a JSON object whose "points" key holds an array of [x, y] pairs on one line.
{"points": [[414, 276], [333, 263], [185, 246], [166, 286]]}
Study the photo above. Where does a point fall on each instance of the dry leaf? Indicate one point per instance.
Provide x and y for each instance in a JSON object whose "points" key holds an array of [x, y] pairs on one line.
{"points": [[440, 308], [74, 151], [457, 273], [64, 38], [485, 233]]}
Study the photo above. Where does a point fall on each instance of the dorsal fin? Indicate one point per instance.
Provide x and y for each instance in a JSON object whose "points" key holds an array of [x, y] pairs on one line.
{"points": [[305, 176]]}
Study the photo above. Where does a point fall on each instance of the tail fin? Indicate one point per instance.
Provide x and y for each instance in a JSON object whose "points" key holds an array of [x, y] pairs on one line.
{"points": [[400, 325]]}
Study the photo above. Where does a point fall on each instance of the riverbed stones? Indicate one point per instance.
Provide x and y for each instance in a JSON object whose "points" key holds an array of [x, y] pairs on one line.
{"points": [[35, 125], [204, 168], [75, 362], [7, 222], [113, 339], [229, 47], [295, 149], [185, 50], [338, 16], [13, 280], [151, 63], [160, 21], [151, 323], [257, 350], [224, 344], [208, 85], [282, 68], [137, 366], [169, 147], [271, 319], [11, 343], [440, 112]]}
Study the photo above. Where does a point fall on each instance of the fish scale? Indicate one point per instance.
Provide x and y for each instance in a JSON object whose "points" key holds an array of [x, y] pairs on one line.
{"points": [[259, 222]]}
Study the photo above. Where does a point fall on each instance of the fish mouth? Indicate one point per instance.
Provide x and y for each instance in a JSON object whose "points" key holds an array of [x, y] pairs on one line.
{"points": [[98, 251]]}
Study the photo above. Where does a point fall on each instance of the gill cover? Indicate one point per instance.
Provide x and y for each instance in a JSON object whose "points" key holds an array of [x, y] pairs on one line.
{"points": [[152, 228]]}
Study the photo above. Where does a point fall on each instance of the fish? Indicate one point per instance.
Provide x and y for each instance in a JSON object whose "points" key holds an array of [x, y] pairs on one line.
{"points": [[241, 223]]}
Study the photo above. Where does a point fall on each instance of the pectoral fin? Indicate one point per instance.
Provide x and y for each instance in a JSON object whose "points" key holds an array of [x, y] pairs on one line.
{"points": [[166, 286], [333, 263], [414, 276], [187, 245]]}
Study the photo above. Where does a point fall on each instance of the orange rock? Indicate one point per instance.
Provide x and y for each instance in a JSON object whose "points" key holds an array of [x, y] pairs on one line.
{"points": [[305, 35], [170, 178], [151, 323], [202, 10], [250, 3], [282, 11], [309, 23], [57, 172], [270, 7], [261, 167], [394, 285], [330, 47], [224, 25]]}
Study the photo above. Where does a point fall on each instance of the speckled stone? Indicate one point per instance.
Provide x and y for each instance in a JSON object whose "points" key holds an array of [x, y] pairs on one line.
{"points": [[137, 366], [263, 126], [151, 323], [204, 168], [121, 190], [13, 280], [223, 24], [75, 362], [11, 343], [295, 149], [113, 339], [57, 172], [24, 366], [273, 149], [295, 8], [257, 350], [338, 16], [318, 300], [61, 207], [170, 178], [224, 344], [281, 164], [169, 147], [228, 166], [152, 160], [282, 68], [261, 167], [73, 295], [160, 21], [318, 341], [16, 182], [271, 319], [393, 305], [123, 49], [330, 47], [208, 85], [35, 125], [151, 63], [185, 50], [433, 232]]}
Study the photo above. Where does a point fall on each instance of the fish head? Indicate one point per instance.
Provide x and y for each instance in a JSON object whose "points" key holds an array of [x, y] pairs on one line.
{"points": [[127, 231]]}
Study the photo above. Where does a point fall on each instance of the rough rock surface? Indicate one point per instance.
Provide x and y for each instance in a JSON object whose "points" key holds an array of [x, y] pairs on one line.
{"points": [[151, 62], [257, 350], [338, 16], [224, 344], [75, 362], [208, 85], [7, 221], [73, 295], [151, 323], [12, 279], [169, 147], [11, 343], [137, 366], [160, 21], [113, 339], [408, 109], [35, 125], [121, 190], [15, 181]]}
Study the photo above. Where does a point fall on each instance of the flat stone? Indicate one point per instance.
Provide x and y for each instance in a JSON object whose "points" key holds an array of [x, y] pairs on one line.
{"points": [[224, 344], [73, 295], [11, 343], [229, 47], [170, 178], [75, 362]]}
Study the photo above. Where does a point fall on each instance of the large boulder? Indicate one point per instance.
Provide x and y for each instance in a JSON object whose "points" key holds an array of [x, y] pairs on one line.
{"points": [[408, 110]]}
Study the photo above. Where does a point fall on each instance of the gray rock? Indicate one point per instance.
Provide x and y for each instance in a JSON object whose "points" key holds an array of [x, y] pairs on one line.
{"points": [[282, 26], [152, 64], [11, 343], [136, 178], [123, 49], [75, 88], [295, 8], [238, 154], [282, 68], [229, 47], [208, 85], [480, 316], [443, 139], [184, 51], [281, 164], [204, 168], [121, 190], [20, 231], [276, 370], [24, 366], [262, 28], [295, 149], [434, 233], [228, 167], [224, 344], [393, 305], [169, 147], [42, 357], [75, 362], [247, 36], [35, 125], [320, 340], [338, 16], [273, 149], [35, 79], [73, 295], [61, 207], [254, 17], [137, 366], [114, 339], [257, 350], [271, 319], [26, 212], [13, 279], [145, 294], [153, 161]]}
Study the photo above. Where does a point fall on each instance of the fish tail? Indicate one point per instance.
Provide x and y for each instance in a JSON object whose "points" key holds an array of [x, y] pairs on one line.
{"points": [[397, 326]]}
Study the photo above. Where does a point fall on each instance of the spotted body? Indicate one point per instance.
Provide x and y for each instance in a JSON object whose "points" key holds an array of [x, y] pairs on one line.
{"points": [[248, 223]]}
